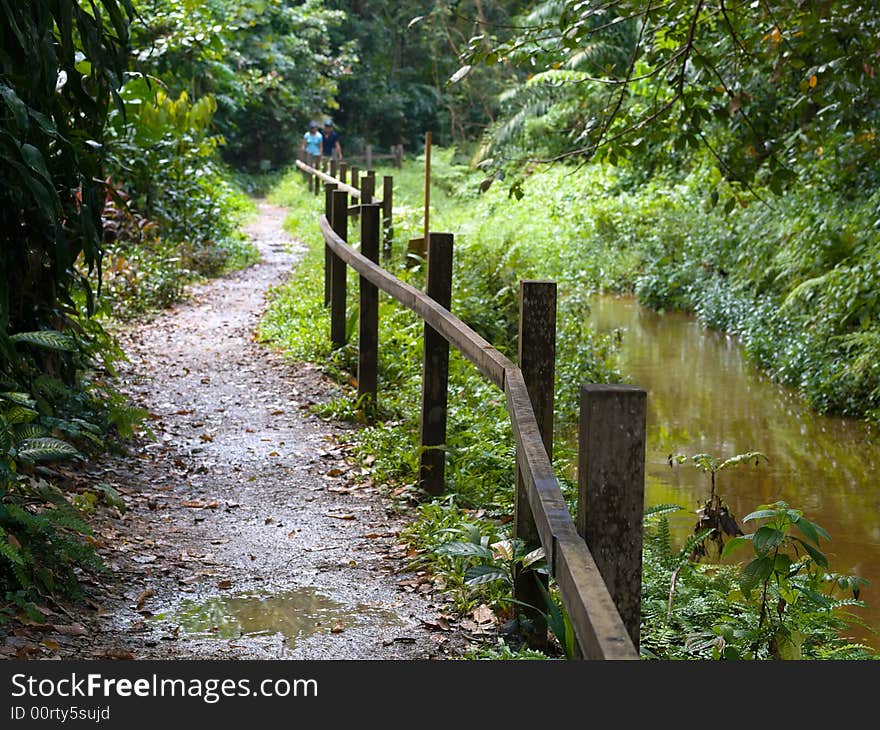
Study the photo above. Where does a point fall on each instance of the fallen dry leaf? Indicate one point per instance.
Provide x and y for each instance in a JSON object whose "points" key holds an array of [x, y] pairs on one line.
{"points": [[116, 654], [70, 629], [483, 614], [338, 628], [224, 585], [142, 598], [291, 534], [341, 517]]}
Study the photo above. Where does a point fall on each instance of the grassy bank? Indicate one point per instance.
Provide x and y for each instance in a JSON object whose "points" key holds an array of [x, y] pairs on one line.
{"points": [[463, 538]]}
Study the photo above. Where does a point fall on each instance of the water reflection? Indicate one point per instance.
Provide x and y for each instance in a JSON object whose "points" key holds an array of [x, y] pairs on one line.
{"points": [[296, 614], [703, 397]]}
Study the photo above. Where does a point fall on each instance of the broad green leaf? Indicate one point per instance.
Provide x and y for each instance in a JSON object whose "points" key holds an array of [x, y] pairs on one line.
{"points": [[19, 414], [16, 106], [817, 555], [811, 530], [755, 573], [755, 456], [46, 449], [761, 514], [782, 564], [533, 557], [34, 159], [22, 399], [111, 496], [48, 339], [766, 538], [733, 543], [464, 549], [479, 574]]}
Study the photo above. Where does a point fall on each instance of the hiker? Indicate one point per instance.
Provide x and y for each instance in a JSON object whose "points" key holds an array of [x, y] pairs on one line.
{"points": [[311, 145], [331, 147]]}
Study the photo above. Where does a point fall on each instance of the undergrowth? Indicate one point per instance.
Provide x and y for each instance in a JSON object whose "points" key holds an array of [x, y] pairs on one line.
{"points": [[492, 253]]}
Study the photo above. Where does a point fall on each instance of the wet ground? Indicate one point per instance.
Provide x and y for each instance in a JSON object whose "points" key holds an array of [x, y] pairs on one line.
{"points": [[246, 533]]}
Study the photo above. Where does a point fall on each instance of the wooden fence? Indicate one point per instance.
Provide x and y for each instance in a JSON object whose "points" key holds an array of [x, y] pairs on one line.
{"points": [[596, 561]]}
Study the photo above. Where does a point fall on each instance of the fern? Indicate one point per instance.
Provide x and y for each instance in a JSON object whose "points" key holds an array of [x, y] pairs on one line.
{"points": [[658, 510], [24, 431], [9, 551]]}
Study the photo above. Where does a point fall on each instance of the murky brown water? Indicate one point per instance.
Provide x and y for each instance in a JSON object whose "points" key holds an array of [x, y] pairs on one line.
{"points": [[295, 614], [703, 397]]}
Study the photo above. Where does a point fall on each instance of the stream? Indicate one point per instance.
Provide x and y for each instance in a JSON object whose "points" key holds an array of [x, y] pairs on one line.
{"points": [[704, 397]]}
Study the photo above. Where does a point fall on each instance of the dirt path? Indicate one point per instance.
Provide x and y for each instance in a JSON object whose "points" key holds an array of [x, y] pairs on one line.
{"points": [[246, 534]]}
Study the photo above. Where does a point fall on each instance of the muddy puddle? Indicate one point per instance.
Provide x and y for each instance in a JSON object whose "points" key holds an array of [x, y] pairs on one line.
{"points": [[294, 614]]}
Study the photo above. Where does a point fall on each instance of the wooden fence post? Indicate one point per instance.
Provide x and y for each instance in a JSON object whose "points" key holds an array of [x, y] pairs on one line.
{"points": [[317, 184], [369, 158], [343, 172], [355, 177], [339, 223], [387, 207], [367, 188], [435, 368], [368, 330], [611, 490], [329, 189], [334, 166], [537, 360]]}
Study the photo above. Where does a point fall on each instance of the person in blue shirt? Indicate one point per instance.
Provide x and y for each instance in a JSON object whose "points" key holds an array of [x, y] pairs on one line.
{"points": [[331, 147], [311, 145]]}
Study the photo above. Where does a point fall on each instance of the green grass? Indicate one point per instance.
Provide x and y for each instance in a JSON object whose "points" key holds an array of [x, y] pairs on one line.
{"points": [[581, 230]]}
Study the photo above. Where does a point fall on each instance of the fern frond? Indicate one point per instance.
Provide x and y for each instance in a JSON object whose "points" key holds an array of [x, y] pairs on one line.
{"points": [[658, 510], [24, 431], [11, 553]]}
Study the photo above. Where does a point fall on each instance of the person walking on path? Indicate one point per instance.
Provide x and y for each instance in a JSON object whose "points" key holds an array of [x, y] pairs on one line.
{"points": [[331, 147], [311, 145]]}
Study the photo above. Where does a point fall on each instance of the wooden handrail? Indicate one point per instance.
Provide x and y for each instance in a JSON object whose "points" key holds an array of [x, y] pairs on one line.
{"points": [[351, 190], [489, 361], [600, 631]]}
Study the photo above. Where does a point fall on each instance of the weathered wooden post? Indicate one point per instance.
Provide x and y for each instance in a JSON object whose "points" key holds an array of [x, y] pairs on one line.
{"points": [[537, 360], [337, 271], [611, 490], [435, 368], [368, 330], [356, 177], [387, 207], [317, 184], [334, 166], [367, 188], [343, 172], [329, 189], [399, 156], [368, 162]]}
